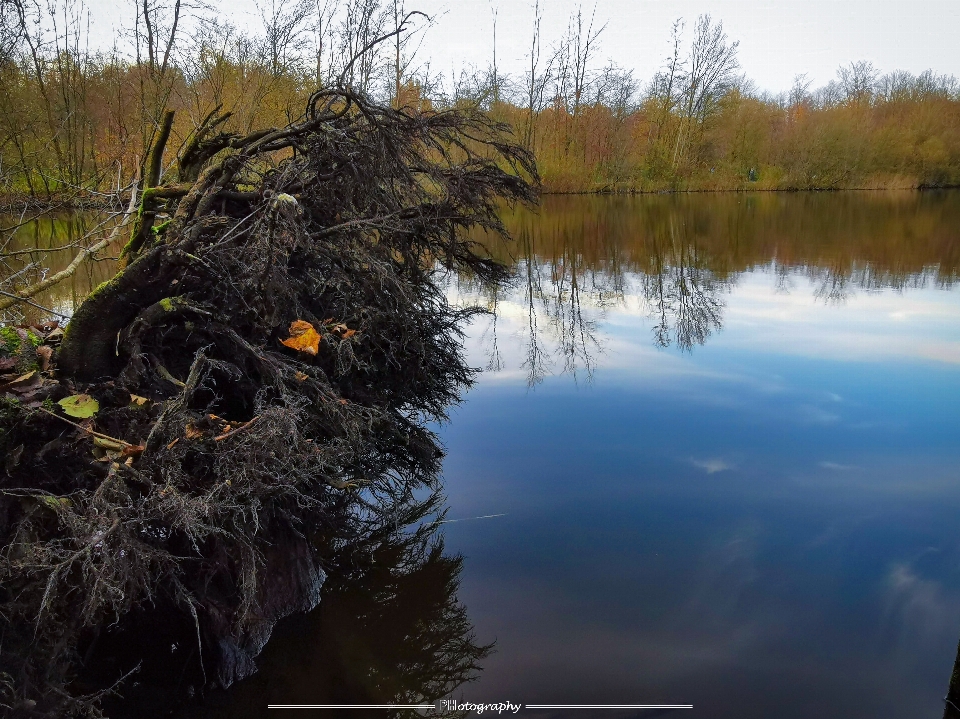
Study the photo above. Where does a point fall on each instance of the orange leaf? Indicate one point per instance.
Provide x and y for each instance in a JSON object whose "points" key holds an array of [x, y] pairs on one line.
{"points": [[303, 337], [348, 334]]}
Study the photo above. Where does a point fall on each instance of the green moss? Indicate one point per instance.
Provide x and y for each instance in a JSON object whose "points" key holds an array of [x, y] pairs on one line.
{"points": [[168, 304], [128, 248], [137, 233], [161, 227], [10, 340], [100, 289], [34, 338]]}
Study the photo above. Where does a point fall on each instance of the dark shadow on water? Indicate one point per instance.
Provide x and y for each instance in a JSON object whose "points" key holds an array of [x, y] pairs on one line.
{"points": [[389, 629]]}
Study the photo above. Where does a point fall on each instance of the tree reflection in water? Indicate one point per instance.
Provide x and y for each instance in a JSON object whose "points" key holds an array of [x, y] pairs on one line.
{"points": [[681, 291], [673, 258], [389, 629]]}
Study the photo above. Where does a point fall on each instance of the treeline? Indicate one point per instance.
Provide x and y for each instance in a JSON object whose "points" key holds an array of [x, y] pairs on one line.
{"points": [[78, 121], [700, 124]]}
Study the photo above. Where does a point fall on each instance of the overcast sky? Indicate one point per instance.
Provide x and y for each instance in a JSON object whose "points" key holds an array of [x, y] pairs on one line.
{"points": [[778, 38]]}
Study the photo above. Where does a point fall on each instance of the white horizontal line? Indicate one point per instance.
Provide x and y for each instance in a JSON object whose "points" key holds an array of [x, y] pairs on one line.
{"points": [[351, 706]]}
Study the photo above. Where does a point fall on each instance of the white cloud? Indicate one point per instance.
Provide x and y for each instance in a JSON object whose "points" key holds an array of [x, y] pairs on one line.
{"points": [[711, 466]]}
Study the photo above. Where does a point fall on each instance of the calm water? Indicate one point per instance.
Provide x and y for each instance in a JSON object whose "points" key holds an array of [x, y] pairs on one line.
{"points": [[47, 244], [724, 433]]}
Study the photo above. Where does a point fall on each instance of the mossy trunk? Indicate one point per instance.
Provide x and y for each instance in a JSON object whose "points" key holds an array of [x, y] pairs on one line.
{"points": [[91, 342]]}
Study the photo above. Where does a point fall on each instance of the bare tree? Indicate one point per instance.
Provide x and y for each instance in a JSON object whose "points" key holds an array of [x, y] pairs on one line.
{"points": [[155, 34], [574, 55], [663, 95], [711, 65], [858, 80], [615, 87], [537, 80], [362, 23], [407, 41], [494, 73], [286, 32], [11, 29]]}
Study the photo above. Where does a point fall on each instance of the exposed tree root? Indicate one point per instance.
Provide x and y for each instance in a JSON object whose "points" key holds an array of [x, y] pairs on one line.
{"points": [[253, 461]]}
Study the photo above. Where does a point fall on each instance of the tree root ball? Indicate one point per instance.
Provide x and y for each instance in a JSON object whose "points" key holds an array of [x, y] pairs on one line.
{"points": [[222, 465]]}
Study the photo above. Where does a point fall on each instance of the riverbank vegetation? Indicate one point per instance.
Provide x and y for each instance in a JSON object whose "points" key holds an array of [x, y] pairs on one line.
{"points": [[78, 122]]}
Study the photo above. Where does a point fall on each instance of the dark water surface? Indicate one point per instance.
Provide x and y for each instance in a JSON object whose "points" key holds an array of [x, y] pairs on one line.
{"points": [[725, 435]]}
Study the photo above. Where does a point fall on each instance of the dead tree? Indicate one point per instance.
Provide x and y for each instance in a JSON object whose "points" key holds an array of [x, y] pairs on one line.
{"points": [[263, 366]]}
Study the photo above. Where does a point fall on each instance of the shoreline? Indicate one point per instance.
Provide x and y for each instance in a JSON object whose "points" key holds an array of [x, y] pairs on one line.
{"points": [[748, 190], [12, 204]]}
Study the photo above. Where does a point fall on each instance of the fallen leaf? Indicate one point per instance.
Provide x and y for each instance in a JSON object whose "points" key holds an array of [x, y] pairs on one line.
{"points": [[340, 483], [348, 334], [108, 444], [191, 432], [137, 401], [55, 503], [23, 383], [303, 337], [80, 406], [133, 450], [301, 376]]}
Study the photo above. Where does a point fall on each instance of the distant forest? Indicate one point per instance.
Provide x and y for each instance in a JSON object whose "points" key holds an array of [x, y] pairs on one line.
{"points": [[77, 122]]}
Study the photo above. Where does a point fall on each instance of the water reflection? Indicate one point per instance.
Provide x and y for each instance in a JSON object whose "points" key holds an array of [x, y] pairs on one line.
{"points": [[389, 629], [761, 525], [675, 258], [32, 248], [753, 508]]}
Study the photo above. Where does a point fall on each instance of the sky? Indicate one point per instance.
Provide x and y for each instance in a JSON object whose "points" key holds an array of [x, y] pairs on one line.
{"points": [[779, 39]]}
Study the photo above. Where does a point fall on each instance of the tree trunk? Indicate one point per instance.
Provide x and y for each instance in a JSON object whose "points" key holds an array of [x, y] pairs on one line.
{"points": [[91, 343]]}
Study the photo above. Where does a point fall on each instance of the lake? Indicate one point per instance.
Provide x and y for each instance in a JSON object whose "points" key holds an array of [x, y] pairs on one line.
{"points": [[723, 433], [712, 459]]}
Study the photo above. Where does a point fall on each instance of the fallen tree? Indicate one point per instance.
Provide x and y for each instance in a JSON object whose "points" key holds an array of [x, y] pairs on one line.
{"points": [[249, 391]]}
